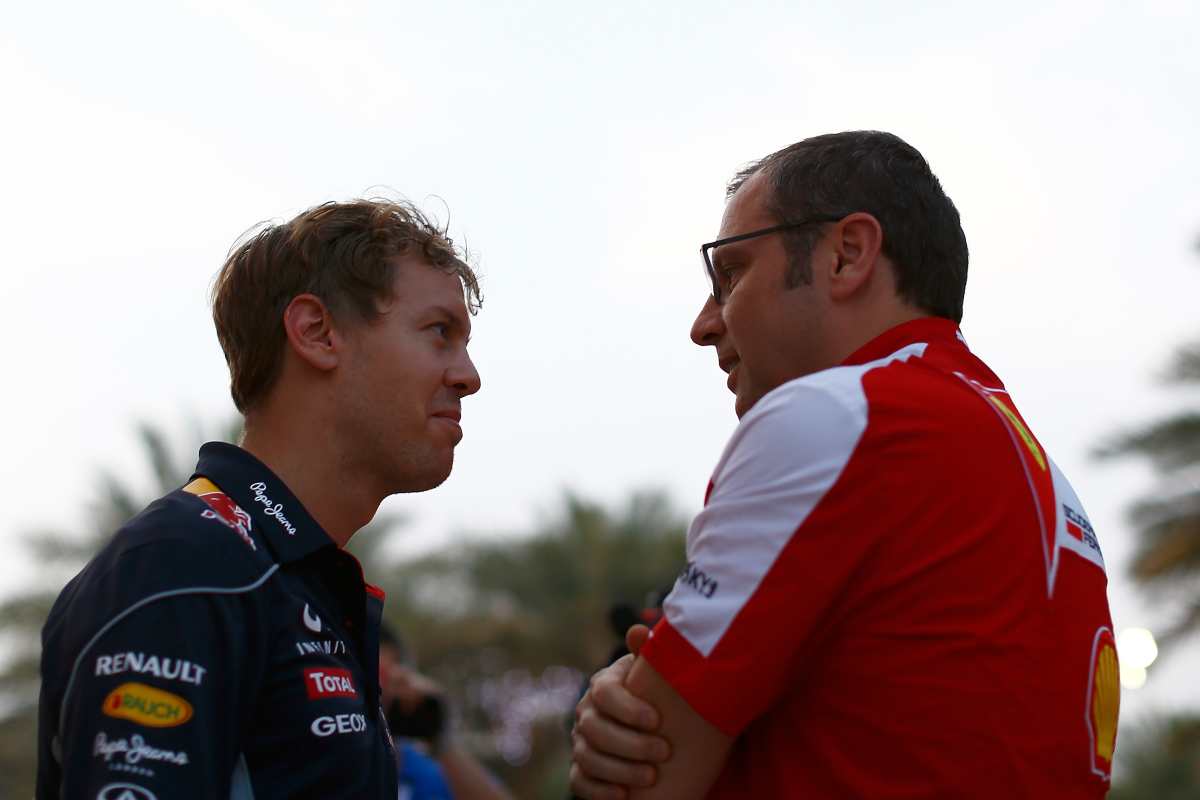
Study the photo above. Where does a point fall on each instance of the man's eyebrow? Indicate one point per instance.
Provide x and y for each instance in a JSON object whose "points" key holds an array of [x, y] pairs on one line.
{"points": [[457, 318], [726, 251]]}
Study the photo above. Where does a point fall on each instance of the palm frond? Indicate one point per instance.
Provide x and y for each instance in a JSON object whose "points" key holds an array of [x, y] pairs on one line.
{"points": [[57, 547], [1169, 443], [1185, 368], [23, 615]]}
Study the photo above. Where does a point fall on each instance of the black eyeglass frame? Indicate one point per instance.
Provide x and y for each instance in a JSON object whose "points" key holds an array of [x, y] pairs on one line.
{"points": [[707, 248]]}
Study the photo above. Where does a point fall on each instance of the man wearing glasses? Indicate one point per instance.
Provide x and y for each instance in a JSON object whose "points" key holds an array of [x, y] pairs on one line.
{"points": [[892, 591]]}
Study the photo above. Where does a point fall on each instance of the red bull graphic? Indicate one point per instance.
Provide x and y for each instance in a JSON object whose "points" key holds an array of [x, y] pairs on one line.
{"points": [[222, 509]]}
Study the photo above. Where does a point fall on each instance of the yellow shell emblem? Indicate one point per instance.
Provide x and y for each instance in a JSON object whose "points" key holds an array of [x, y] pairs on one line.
{"points": [[1105, 702]]}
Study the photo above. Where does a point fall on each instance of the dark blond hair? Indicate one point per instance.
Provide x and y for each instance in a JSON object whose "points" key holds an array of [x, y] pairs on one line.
{"points": [[344, 253]]}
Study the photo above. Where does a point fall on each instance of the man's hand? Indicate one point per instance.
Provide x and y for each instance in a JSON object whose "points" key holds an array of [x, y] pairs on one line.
{"points": [[613, 742]]}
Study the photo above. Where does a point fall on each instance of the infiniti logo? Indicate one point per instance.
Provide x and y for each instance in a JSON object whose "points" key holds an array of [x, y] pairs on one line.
{"points": [[125, 791], [311, 620]]}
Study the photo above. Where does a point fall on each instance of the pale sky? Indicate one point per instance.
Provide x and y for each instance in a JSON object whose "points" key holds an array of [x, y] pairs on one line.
{"points": [[582, 152]]}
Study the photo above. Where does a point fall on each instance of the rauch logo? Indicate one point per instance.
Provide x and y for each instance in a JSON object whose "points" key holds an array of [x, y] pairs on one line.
{"points": [[148, 706]]}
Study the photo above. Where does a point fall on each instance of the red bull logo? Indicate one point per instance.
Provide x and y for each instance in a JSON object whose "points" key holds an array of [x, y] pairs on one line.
{"points": [[222, 509]]}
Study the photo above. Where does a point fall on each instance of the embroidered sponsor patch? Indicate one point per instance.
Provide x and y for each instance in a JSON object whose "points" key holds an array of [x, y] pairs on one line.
{"points": [[222, 509], [328, 647], [698, 580], [148, 706], [311, 620], [174, 669], [328, 682], [1103, 702], [339, 723], [134, 751], [271, 508], [125, 791]]}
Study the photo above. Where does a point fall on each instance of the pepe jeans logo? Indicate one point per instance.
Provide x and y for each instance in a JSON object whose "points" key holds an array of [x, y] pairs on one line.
{"points": [[135, 750], [148, 706], [271, 508]]}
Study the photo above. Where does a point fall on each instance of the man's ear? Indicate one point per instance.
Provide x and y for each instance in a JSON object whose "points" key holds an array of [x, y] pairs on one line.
{"points": [[310, 331], [856, 246]]}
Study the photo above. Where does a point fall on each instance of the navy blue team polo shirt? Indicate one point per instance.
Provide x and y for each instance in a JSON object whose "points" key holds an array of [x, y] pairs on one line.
{"points": [[221, 645]]}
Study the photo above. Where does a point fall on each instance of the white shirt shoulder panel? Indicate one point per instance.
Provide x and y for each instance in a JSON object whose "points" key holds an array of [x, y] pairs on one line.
{"points": [[784, 456]]}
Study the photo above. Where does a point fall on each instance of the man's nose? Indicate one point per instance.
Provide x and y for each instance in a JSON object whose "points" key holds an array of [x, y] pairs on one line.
{"points": [[708, 327], [463, 377]]}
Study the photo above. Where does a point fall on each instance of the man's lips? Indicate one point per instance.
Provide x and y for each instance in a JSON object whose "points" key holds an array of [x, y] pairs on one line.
{"points": [[730, 365], [451, 417]]}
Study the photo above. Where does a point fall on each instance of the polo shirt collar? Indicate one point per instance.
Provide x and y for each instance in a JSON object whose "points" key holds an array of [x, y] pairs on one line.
{"points": [[281, 519], [925, 329]]}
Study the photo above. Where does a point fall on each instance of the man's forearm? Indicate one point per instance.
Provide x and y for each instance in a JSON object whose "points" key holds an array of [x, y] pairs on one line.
{"points": [[469, 779]]}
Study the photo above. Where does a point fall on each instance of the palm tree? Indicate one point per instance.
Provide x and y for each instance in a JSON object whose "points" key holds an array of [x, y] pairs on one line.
{"points": [[512, 624], [1167, 559], [1160, 760]]}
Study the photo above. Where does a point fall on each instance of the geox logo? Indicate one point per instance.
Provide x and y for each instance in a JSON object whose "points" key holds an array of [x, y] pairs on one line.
{"points": [[696, 578]]}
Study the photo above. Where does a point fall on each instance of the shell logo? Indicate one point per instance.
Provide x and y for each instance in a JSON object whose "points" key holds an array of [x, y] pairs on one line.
{"points": [[1104, 701], [146, 705]]}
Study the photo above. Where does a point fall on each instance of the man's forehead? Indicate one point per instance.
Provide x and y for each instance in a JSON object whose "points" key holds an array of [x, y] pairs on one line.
{"points": [[747, 209], [425, 288]]}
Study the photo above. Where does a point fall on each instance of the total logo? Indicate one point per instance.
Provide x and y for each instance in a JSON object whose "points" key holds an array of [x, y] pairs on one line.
{"points": [[146, 705], [328, 682], [339, 723], [125, 791]]}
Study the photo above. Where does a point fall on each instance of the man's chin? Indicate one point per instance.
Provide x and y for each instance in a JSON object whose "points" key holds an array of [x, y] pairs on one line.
{"points": [[431, 477], [743, 402]]}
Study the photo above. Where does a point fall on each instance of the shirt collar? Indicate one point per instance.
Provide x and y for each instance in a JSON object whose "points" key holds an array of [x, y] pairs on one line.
{"points": [[283, 522], [925, 329]]}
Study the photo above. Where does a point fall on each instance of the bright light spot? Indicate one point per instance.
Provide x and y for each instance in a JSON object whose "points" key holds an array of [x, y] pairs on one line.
{"points": [[1133, 677], [1137, 648]]}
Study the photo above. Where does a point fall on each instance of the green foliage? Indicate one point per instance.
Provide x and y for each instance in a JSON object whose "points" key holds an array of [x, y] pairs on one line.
{"points": [[1160, 760], [512, 625], [1166, 561]]}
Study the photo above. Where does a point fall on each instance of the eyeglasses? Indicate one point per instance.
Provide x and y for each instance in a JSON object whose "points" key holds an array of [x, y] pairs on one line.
{"points": [[707, 249]]}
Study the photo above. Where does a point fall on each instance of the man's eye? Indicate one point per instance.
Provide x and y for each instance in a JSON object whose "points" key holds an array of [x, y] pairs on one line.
{"points": [[442, 329]]}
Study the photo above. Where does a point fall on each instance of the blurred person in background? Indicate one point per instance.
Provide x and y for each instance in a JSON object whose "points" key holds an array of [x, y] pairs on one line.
{"points": [[224, 644], [891, 591], [417, 711]]}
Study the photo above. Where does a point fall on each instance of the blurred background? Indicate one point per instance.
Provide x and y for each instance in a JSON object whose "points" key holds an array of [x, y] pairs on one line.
{"points": [[581, 153]]}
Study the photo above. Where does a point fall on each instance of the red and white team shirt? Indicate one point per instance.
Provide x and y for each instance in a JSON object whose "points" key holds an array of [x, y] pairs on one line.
{"points": [[892, 591]]}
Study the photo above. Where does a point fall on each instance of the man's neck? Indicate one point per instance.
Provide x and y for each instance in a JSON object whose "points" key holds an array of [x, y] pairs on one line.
{"points": [[865, 328], [313, 469]]}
